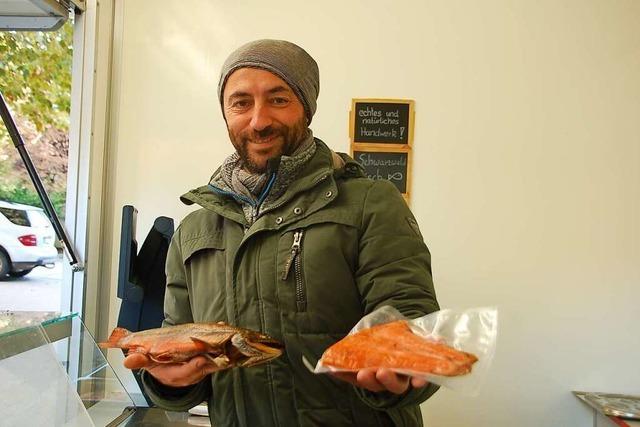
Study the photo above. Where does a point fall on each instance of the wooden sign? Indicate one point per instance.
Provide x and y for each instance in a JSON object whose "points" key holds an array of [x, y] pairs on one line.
{"points": [[381, 132], [382, 121], [385, 164]]}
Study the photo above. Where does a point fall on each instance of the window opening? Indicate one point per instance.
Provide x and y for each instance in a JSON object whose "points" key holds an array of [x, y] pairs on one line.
{"points": [[35, 100]]}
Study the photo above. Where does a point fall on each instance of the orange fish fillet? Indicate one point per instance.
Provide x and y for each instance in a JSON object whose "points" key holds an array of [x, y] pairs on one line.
{"points": [[393, 345]]}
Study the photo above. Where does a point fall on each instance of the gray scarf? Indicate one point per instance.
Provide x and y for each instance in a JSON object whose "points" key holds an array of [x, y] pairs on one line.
{"points": [[256, 192]]}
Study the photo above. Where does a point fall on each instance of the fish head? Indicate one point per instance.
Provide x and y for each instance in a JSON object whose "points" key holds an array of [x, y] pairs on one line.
{"points": [[251, 348]]}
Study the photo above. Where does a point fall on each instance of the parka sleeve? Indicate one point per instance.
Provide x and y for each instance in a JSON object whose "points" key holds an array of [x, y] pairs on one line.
{"points": [[394, 268], [177, 310]]}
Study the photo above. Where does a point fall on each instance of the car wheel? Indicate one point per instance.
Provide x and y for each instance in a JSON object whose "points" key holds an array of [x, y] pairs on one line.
{"points": [[20, 273], [5, 265]]}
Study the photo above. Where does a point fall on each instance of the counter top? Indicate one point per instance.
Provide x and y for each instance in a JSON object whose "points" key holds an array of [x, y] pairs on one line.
{"points": [[23, 330], [619, 409]]}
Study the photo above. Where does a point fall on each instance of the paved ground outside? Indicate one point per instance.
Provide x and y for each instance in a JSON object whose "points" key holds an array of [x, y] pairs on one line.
{"points": [[37, 291]]}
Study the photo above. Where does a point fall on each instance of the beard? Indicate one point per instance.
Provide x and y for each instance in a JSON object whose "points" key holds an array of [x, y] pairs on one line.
{"points": [[291, 137]]}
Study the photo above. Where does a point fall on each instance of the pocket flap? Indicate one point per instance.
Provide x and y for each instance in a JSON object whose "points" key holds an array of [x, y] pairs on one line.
{"points": [[205, 241], [343, 217]]}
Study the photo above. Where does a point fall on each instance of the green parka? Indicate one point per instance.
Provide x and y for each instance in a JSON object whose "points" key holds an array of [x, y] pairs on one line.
{"points": [[360, 249]]}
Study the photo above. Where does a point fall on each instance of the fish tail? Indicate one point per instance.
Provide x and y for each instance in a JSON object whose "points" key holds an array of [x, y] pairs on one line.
{"points": [[116, 336]]}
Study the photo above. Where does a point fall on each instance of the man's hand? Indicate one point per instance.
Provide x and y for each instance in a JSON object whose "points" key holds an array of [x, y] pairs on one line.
{"points": [[382, 379], [173, 374]]}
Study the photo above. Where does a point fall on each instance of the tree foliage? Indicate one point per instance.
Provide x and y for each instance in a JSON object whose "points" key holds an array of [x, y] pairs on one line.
{"points": [[35, 80], [35, 75]]}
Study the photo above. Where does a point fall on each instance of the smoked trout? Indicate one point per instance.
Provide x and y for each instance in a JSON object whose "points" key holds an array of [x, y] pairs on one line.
{"points": [[393, 345], [225, 345]]}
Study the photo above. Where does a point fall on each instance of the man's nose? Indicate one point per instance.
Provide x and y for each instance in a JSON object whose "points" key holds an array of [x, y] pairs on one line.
{"points": [[261, 118]]}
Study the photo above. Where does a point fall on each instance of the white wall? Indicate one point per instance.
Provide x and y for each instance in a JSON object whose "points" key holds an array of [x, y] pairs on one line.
{"points": [[526, 177]]}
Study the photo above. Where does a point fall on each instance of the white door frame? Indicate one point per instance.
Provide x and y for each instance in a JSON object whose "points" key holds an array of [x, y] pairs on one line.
{"points": [[88, 142]]}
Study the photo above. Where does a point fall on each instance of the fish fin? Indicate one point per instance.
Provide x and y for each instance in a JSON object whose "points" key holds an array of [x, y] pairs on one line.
{"points": [[116, 336], [203, 345], [221, 361]]}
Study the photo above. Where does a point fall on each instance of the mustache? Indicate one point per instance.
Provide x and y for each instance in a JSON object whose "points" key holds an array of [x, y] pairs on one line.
{"points": [[266, 132], [263, 133]]}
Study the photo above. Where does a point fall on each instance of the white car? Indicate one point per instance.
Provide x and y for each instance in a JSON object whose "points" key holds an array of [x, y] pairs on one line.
{"points": [[26, 239]]}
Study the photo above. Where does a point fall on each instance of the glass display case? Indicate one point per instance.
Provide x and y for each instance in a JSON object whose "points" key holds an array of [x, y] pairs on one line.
{"points": [[52, 373]]}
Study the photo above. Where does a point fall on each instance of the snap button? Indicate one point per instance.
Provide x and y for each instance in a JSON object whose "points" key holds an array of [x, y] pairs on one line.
{"points": [[297, 211], [279, 220], [328, 194]]}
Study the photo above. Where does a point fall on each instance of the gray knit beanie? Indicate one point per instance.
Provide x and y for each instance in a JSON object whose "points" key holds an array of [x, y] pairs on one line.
{"points": [[286, 60]]}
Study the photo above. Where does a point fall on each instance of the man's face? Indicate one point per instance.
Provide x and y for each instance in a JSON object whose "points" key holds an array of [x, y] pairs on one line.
{"points": [[265, 118]]}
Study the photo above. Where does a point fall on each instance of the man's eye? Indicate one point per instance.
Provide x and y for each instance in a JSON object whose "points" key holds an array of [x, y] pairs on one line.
{"points": [[279, 101], [242, 103]]}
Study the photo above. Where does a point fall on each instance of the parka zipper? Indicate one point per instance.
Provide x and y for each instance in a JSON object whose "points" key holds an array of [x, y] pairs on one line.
{"points": [[295, 261]]}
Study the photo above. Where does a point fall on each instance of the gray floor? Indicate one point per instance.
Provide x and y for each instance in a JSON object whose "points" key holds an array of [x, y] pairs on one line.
{"points": [[37, 291]]}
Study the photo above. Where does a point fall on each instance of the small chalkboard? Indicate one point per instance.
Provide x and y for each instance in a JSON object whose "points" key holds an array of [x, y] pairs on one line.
{"points": [[393, 166], [382, 121]]}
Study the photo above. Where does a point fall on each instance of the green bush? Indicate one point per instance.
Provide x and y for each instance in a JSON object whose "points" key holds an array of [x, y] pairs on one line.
{"points": [[28, 196]]}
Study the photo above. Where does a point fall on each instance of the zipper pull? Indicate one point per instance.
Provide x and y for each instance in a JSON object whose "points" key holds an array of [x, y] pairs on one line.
{"points": [[295, 249]]}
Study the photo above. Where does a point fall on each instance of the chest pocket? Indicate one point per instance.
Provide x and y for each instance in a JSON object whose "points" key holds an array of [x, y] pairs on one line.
{"points": [[205, 260], [192, 246], [316, 261]]}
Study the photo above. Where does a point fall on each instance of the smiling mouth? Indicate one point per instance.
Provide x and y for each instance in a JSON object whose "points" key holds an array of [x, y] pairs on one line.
{"points": [[266, 140]]}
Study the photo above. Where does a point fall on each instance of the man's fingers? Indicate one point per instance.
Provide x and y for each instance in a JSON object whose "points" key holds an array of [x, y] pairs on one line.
{"points": [[204, 366], [212, 369], [417, 382], [135, 361], [367, 379], [380, 380], [182, 374], [207, 367], [393, 382]]}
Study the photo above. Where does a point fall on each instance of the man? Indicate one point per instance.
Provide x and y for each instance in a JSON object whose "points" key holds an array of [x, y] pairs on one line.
{"points": [[292, 240]]}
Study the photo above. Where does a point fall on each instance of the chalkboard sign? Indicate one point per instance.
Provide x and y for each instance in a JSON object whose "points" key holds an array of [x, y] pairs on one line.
{"points": [[382, 122], [393, 166]]}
